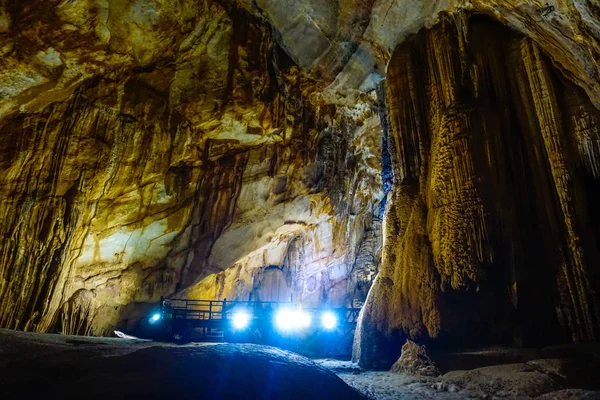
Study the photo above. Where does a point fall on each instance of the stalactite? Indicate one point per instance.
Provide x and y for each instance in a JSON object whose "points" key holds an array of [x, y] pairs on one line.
{"points": [[583, 125], [122, 191], [77, 314], [387, 173], [574, 270], [494, 155]]}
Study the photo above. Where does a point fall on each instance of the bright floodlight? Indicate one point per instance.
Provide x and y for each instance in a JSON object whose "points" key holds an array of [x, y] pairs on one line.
{"points": [[241, 320], [155, 318], [288, 319], [284, 320], [304, 319], [329, 320]]}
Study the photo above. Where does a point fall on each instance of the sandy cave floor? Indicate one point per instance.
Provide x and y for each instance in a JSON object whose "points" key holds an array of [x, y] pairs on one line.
{"points": [[41, 366]]}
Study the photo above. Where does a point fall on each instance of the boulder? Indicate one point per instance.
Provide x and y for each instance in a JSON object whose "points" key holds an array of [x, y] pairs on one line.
{"points": [[39, 366]]}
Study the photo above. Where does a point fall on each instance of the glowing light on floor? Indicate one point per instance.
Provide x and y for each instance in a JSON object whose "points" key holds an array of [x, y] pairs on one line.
{"points": [[329, 320], [288, 319], [155, 318], [241, 320]]}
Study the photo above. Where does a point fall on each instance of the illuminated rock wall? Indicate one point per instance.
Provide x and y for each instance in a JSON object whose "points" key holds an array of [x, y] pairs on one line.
{"points": [[317, 248], [159, 144], [232, 149], [492, 228]]}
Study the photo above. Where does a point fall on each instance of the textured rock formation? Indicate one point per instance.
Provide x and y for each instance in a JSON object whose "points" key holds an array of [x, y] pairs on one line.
{"points": [[232, 149], [349, 42], [101, 367], [282, 248], [415, 361], [156, 143], [539, 379], [491, 231]]}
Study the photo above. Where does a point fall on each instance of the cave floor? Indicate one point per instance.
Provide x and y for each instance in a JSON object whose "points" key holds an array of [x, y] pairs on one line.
{"points": [[538, 379], [384, 385], [37, 365]]}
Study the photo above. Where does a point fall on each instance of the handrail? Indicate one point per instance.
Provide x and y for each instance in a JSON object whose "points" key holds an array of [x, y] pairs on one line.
{"points": [[222, 309]]}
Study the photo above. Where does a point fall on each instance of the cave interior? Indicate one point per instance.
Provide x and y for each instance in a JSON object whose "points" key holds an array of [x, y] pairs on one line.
{"points": [[435, 164]]}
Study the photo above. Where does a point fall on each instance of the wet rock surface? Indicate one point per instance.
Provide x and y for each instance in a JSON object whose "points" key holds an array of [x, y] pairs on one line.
{"points": [[575, 376], [526, 380], [36, 366]]}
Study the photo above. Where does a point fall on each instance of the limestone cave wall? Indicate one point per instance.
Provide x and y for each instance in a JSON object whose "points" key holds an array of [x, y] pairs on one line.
{"points": [[165, 148], [492, 227]]}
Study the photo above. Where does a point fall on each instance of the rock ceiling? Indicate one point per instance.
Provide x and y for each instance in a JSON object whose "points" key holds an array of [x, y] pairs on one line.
{"points": [[50, 48]]}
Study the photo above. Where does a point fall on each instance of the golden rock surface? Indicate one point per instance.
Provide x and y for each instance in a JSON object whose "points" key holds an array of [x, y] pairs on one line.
{"points": [[220, 148], [491, 231], [170, 149]]}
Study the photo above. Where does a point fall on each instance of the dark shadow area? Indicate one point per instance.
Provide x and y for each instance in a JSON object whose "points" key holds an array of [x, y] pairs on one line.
{"points": [[49, 366]]}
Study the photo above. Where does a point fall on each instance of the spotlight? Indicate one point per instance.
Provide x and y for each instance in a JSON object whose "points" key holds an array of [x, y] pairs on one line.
{"points": [[287, 319], [241, 320], [155, 318], [329, 320], [284, 319], [304, 319]]}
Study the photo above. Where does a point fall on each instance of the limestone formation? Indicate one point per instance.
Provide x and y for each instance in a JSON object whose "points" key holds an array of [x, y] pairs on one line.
{"points": [[415, 361], [349, 43], [233, 149], [172, 149], [491, 229]]}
